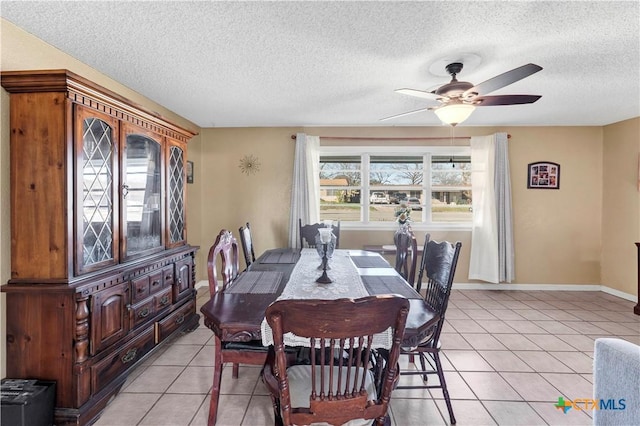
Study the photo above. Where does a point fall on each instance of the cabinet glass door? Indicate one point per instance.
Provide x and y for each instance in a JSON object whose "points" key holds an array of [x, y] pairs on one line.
{"points": [[96, 149], [141, 195], [176, 190]]}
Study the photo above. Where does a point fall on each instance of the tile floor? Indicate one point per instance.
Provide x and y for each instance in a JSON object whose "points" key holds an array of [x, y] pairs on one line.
{"points": [[508, 355]]}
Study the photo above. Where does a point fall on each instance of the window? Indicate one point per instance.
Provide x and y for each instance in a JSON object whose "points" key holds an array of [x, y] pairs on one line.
{"points": [[366, 184]]}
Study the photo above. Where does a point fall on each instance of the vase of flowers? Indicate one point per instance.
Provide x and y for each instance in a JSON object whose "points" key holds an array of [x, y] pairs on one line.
{"points": [[403, 216]]}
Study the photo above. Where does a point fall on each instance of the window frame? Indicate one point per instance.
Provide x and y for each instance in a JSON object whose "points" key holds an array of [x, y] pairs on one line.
{"points": [[366, 152]]}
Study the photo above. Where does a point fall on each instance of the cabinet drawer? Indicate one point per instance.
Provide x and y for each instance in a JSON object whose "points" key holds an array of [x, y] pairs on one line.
{"points": [[173, 321], [142, 312], [140, 288], [103, 372], [167, 276], [155, 282], [163, 300]]}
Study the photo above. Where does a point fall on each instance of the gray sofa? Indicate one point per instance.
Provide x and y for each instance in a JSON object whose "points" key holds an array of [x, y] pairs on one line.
{"points": [[616, 380]]}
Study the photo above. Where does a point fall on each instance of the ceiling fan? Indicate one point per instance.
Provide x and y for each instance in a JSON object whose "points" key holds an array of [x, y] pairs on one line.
{"points": [[458, 99]]}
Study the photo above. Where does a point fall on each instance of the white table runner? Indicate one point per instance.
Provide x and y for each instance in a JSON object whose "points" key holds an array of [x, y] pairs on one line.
{"points": [[302, 285]]}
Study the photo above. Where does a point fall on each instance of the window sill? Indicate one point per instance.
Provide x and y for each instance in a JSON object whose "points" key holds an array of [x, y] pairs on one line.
{"points": [[392, 226]]}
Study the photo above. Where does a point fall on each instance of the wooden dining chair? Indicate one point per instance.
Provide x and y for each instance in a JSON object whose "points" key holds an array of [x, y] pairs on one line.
{"points": [[308, 233], [247, 244], [226, 249], [406, 255], [340, 381], [437, 268]]}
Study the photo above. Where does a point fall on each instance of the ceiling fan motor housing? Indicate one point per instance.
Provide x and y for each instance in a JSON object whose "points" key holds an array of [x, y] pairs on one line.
{"points": [[454, 88]]}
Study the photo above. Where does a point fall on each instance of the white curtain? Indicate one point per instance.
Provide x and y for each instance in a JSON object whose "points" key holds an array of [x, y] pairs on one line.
{"points": [[502, 179], [492, 257], [305, 189]]}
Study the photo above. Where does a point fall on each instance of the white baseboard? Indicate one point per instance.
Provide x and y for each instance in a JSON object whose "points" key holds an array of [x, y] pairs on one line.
{"points": [[523, 287], [546, 287], [618, 293]]}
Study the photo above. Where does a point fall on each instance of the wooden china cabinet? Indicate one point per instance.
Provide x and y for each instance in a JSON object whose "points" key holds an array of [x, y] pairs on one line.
{"points": [[101, 272]]}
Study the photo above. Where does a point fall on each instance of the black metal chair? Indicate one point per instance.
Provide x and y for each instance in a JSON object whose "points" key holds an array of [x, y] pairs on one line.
{"points": [[437, 268], [406, 255], [247, 244], [308, 234]]}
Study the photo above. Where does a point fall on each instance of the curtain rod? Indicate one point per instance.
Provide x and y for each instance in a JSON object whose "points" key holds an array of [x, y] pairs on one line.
{"points": [[392, 139]]}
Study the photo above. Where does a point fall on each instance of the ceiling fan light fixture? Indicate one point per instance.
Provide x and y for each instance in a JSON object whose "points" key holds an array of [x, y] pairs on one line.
{"points": [[454, 114]]}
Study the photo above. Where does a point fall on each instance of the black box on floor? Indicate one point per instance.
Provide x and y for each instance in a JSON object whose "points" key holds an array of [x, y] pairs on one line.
{"points": [[27, 402]]}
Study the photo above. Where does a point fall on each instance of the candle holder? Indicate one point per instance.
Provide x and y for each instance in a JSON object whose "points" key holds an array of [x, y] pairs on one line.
{"points": [[324, 278]]}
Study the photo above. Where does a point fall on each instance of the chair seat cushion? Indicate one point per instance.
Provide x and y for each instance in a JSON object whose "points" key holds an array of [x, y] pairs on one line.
{"points": [[300, 386], [252, 345]]}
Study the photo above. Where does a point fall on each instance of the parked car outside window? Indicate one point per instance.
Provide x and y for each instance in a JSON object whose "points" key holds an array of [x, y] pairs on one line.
{"points": [[378, 198], [397, 197], [414, 203]]}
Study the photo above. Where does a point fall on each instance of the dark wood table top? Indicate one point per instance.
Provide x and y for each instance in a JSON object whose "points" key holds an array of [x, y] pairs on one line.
{"points": [[386, 249], [236, 317]]}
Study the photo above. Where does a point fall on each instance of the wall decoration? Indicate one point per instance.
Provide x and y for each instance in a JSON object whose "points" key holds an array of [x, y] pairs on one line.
{"points": [[189, 171], [249, 165], [543, 175]]}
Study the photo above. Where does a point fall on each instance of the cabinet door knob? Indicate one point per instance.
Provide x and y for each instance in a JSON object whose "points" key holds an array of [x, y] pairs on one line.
{"points": [[125, 190], [129, 356]]}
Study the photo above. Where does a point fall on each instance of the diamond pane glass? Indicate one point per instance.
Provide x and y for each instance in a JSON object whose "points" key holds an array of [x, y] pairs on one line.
{"points": [[176, 195], [97, 202]]}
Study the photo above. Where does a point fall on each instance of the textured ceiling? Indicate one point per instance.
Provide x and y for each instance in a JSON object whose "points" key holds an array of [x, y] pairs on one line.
{"points": [[229, 64]]}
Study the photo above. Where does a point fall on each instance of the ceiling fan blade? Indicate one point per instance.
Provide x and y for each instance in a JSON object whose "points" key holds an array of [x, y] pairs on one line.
{"points": [[501, 80], [419, 94], [404, 113], [505, 100]]}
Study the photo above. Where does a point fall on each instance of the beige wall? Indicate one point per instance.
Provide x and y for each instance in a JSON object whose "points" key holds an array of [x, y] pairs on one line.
{"points": [[621, 205], [231, 198], [552, 246]]}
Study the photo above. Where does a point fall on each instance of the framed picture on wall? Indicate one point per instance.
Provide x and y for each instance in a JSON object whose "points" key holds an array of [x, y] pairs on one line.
{"points": [[189, 171], [543, 175]]}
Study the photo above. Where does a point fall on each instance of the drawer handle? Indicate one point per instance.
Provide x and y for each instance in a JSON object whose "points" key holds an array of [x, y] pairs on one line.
{"points": [[141, 289], [164, 300], [155, 283], [130, 355], [169, 277], [180, 319], [144, 313]]}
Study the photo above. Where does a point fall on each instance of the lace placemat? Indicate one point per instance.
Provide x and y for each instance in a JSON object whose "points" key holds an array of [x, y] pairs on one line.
{"points": [[260, 282], [302, 285], [281, 257], [370, 262], [389, 285]]}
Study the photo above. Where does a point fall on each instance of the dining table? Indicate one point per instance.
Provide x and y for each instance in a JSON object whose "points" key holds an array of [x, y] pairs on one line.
{"points": [[237, 314]]}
